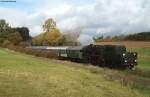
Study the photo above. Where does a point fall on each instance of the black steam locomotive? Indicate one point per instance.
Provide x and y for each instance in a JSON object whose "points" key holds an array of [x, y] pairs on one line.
{"points": [[113, 56]]}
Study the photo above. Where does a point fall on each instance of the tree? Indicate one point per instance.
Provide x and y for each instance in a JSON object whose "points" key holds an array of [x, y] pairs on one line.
{"points": [[142, 36], [24, 32], [61, 40], [38, 40], [49, 25], [120, 37], [13, 35], [5, 30], [47, 38], [15, 38], [3, 26], [52, 35]]}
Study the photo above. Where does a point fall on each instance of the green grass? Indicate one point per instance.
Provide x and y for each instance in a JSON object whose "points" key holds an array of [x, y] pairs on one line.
{"points": [[143, 74], [143, 57], [26, 76]]}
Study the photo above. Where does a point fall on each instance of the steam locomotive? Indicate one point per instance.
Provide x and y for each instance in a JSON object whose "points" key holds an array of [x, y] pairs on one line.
{"points": [[113, 56]]}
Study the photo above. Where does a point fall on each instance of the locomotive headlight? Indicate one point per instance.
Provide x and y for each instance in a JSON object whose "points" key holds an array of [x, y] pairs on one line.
{"points": [[125, 61], [135, 60], [124, 54]]}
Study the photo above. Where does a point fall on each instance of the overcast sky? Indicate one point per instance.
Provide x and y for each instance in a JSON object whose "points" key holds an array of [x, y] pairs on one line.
{"points": [[107, 17]]}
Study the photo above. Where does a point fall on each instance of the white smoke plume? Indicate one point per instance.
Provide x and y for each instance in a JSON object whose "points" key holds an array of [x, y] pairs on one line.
{"points": [[85, 39]]}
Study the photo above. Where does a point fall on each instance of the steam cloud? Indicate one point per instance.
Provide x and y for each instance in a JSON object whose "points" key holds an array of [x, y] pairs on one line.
{"points": [[85, 39]]}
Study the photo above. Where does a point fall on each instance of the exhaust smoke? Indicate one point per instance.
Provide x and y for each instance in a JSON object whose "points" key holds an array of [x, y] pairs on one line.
{"points": [[85, 39]]}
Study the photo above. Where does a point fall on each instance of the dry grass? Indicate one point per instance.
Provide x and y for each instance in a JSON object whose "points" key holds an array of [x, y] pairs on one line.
{"points": [[26, 76]]}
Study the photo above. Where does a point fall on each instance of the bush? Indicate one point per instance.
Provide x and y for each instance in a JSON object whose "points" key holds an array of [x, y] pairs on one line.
{"points": [[24, 44], [22, 49], [6, 43]]}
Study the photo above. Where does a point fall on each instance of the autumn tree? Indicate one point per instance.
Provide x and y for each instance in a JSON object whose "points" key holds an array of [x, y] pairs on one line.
{"points": [[24, 32], [38, 40], [15, 36], [52, 35], [5, 30], [3, 26], [49, 25]]}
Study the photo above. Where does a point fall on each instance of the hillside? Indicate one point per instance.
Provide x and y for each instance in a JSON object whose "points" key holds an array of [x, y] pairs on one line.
{"points": [[27, 76]]}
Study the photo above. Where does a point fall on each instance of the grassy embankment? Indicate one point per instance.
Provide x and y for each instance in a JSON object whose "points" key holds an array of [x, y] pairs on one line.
{"points": [[142, 73], [140, 78], [26, 76], [143, 57]]}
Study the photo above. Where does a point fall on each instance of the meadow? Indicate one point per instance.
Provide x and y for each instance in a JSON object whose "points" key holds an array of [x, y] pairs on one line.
{"points": [[143, 57], [27, 76]]}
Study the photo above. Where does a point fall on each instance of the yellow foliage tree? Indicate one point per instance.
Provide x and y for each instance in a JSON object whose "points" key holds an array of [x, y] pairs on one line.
{"points": [[52, 35], [38, 40], [49, 25]]}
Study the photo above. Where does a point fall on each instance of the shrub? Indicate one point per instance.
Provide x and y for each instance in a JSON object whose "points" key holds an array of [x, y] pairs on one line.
{"points": [[6, 43], [38, 53], [24, 44]]}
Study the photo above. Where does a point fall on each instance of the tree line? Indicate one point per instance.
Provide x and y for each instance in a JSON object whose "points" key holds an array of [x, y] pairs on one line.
{"points": [[13, 35], [51, 35], [142, 36], [18, 39]]}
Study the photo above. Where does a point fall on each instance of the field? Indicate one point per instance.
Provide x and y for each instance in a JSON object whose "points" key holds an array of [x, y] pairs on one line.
{"points": [[143, 57], [27, 76]]}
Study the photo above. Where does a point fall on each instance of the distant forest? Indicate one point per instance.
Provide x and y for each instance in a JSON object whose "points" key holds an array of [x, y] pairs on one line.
{"points": [[142, 36]]}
